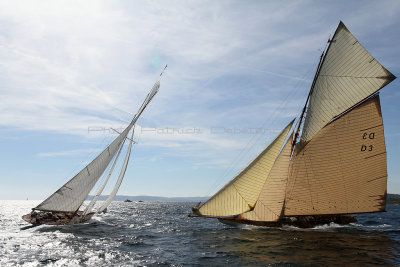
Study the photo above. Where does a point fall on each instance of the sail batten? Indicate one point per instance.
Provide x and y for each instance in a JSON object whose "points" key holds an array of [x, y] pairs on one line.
{"points": [[241, 193]]}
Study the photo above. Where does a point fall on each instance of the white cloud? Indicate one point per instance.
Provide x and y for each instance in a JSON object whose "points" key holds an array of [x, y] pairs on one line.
{"points": [[67, 153], [69, 65]]}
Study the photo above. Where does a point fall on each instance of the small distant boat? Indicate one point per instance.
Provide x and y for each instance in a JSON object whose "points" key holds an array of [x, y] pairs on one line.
{"points": [[337, 168], [140, 201], [127, 200], [62, 207]]}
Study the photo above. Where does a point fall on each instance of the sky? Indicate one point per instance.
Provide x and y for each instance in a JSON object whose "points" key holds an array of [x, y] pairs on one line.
{"points": [[238, 72]]}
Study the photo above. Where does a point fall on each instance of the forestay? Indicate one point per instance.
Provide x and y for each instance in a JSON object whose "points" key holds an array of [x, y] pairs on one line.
{"points": [[242, 192], [348, 74]]}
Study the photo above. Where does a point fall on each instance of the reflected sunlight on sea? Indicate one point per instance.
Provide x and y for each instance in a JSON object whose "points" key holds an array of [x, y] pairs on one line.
{"points": [[152, 233]]}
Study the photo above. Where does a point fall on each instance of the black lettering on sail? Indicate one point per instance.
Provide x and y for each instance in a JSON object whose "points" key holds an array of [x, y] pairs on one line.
{"points": [[371, 135]]}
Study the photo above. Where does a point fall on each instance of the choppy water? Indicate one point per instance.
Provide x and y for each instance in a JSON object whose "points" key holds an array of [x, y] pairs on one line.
{"points": [[151, 234]]}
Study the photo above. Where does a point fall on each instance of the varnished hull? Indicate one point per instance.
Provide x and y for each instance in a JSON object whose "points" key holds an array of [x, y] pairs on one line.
{"points": [[59, 218], [297, 221]]}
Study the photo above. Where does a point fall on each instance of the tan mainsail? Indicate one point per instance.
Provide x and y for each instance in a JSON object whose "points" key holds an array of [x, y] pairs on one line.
{"points": [[269, 205], [348, 75], [343, 168], [242, 192]]}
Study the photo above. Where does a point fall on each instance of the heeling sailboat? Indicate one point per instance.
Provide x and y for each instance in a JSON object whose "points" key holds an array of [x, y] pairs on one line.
{"points": [[337, 168], [62, 207]]}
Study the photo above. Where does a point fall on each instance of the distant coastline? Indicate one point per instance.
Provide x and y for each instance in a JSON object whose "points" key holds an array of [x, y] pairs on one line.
{"points": [[391, 198], [154, 198]]}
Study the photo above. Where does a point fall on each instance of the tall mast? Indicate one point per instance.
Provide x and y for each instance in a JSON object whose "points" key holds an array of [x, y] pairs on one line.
{"points": [[321, 61]]}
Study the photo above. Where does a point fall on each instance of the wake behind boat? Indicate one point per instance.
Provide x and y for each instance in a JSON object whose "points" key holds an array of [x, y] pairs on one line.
{"points": [[338, 167], [63, 206]]}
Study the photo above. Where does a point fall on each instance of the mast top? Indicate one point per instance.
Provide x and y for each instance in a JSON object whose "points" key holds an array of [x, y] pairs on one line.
{"points": [[166, 65]]}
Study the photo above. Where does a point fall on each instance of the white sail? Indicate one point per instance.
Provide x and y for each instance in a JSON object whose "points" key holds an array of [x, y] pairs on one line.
{"points": [[100, 190], [348, 74], [120, 178], [71, 195]]}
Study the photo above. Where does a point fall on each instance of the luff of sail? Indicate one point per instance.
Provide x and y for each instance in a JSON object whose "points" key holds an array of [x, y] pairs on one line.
{"points": [[269, 205], [241, 193], [343, 168], [72, 194], [348, 74]]}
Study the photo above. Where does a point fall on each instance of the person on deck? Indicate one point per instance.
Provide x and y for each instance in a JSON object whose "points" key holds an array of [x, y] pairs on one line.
{"points": [[37, 218]]}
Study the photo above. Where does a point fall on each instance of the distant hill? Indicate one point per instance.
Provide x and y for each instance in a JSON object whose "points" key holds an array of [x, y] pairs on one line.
{"points": [[154, 198]]}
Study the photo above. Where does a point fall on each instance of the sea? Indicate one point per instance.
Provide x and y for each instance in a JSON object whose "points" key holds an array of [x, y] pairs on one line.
{"points": [[162, 234]]}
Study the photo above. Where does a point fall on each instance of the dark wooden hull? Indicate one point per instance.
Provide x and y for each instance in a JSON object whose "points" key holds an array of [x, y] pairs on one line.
{"points": [[57, 218], [297, 221]]}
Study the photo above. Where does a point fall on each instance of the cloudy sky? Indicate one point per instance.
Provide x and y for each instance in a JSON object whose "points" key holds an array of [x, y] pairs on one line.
{"points": [[238, 72]]}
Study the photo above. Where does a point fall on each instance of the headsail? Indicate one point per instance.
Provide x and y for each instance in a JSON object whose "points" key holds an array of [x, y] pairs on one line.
{"points": [[348, 75], [120, 178], [241, 193], [269, 205], [343, 168], [90, 206]]}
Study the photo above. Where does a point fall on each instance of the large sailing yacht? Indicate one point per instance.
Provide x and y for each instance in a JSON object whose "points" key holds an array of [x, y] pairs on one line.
{"points": [[332, 164], [62, 207]]}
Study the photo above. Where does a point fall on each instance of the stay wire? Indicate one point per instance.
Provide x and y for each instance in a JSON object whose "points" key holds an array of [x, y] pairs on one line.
{"points": [[256, 138]]}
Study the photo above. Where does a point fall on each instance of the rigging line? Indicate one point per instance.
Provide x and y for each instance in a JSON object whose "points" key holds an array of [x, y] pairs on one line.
{"points": [[248, 147], [89, 155]]}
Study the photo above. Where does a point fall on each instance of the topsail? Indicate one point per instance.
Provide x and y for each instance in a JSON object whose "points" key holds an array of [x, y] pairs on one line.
{"points": [[348, 74]]}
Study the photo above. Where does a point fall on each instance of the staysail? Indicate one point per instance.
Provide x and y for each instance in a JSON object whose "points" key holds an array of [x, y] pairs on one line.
{"points": [[269, 205], [90, 206], [120, 178], [71, 195], [343, 168], [348, 74], [241, 193]]}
